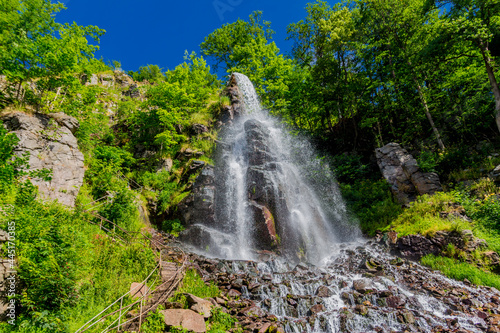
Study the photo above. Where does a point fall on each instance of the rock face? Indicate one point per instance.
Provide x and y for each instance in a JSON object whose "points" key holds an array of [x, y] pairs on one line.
{"points": [[51, 145], [401, 171], [236, 98], [199, 206]]}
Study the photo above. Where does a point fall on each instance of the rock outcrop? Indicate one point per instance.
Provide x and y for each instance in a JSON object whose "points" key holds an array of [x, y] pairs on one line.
{"points": [[236, 99], [470, 247], [199, 206], [51, 145], [402, 172]]}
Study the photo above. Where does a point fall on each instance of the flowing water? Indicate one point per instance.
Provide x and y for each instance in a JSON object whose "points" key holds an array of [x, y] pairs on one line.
{"points": [[309, 213], [314, 226]]}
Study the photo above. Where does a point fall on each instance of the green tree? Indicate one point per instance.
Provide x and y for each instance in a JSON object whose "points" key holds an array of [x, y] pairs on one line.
{"points": [[150, 73], [221, 43], [395, 31], [473, 24], [34, 45]]}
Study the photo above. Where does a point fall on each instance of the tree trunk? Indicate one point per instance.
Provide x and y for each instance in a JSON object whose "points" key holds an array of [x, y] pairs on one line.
{"points": [[493, 83], [428, 114]]}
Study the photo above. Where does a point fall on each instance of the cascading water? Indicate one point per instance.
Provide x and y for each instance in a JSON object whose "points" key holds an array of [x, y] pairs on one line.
{"points": [[261, 169], [271, 193]]}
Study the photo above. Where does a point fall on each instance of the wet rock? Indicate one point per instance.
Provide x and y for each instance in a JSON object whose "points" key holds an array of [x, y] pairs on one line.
{"points": [[363, 286], [371, 265], [401, 171], [186, 319], [407, 317], [264, 227], [323, 291], [395, 301], [361, 309], [199, 206], [315, 309], [253, 312]]}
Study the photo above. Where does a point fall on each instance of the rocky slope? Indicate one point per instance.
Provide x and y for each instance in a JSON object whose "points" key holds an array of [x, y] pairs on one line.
{"points": [[358, 289]]}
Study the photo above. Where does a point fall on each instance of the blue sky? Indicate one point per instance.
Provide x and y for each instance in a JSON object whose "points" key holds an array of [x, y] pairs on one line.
{"points": [[158, 32]]}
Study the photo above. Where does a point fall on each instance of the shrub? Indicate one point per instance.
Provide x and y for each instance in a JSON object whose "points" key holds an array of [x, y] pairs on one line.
{"points": [[372, 203], [349, 168], [220, 322], [155, 322]]}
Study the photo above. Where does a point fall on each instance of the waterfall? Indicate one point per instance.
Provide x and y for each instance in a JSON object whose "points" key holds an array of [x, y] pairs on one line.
{"points": [[272, 193]]}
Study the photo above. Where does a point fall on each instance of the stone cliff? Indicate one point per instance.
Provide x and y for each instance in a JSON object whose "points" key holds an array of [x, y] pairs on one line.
{"points": [[50, 142]]}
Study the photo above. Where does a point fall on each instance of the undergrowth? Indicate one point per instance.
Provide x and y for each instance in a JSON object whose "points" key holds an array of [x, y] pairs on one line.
{"points": [[193, 284]]}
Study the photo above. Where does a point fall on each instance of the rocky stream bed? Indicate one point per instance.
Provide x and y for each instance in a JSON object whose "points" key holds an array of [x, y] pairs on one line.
{"points": [[360, 288]]}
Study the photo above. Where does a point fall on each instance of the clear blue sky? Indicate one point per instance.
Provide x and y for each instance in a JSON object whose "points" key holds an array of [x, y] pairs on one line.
{"points": [[158, 32]]}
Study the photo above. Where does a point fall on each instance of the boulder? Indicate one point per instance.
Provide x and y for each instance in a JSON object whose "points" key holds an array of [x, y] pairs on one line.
{"points": [[495, 174], [185, 319], [51, 145], [253, 312], [317, 308], [199, 305], [402, 172], [362, 286], [323, 291], [417, 246]]}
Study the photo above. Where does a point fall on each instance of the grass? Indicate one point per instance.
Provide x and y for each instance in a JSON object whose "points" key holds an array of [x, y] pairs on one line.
{"points": [[422, 217], [476, 171], [193, 284], [460, 271]]}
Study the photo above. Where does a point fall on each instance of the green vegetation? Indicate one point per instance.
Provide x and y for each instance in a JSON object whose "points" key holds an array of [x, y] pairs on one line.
{"points": [[193, 284], [361, 73], [219, 322], [460, 271], [155, 322]]}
